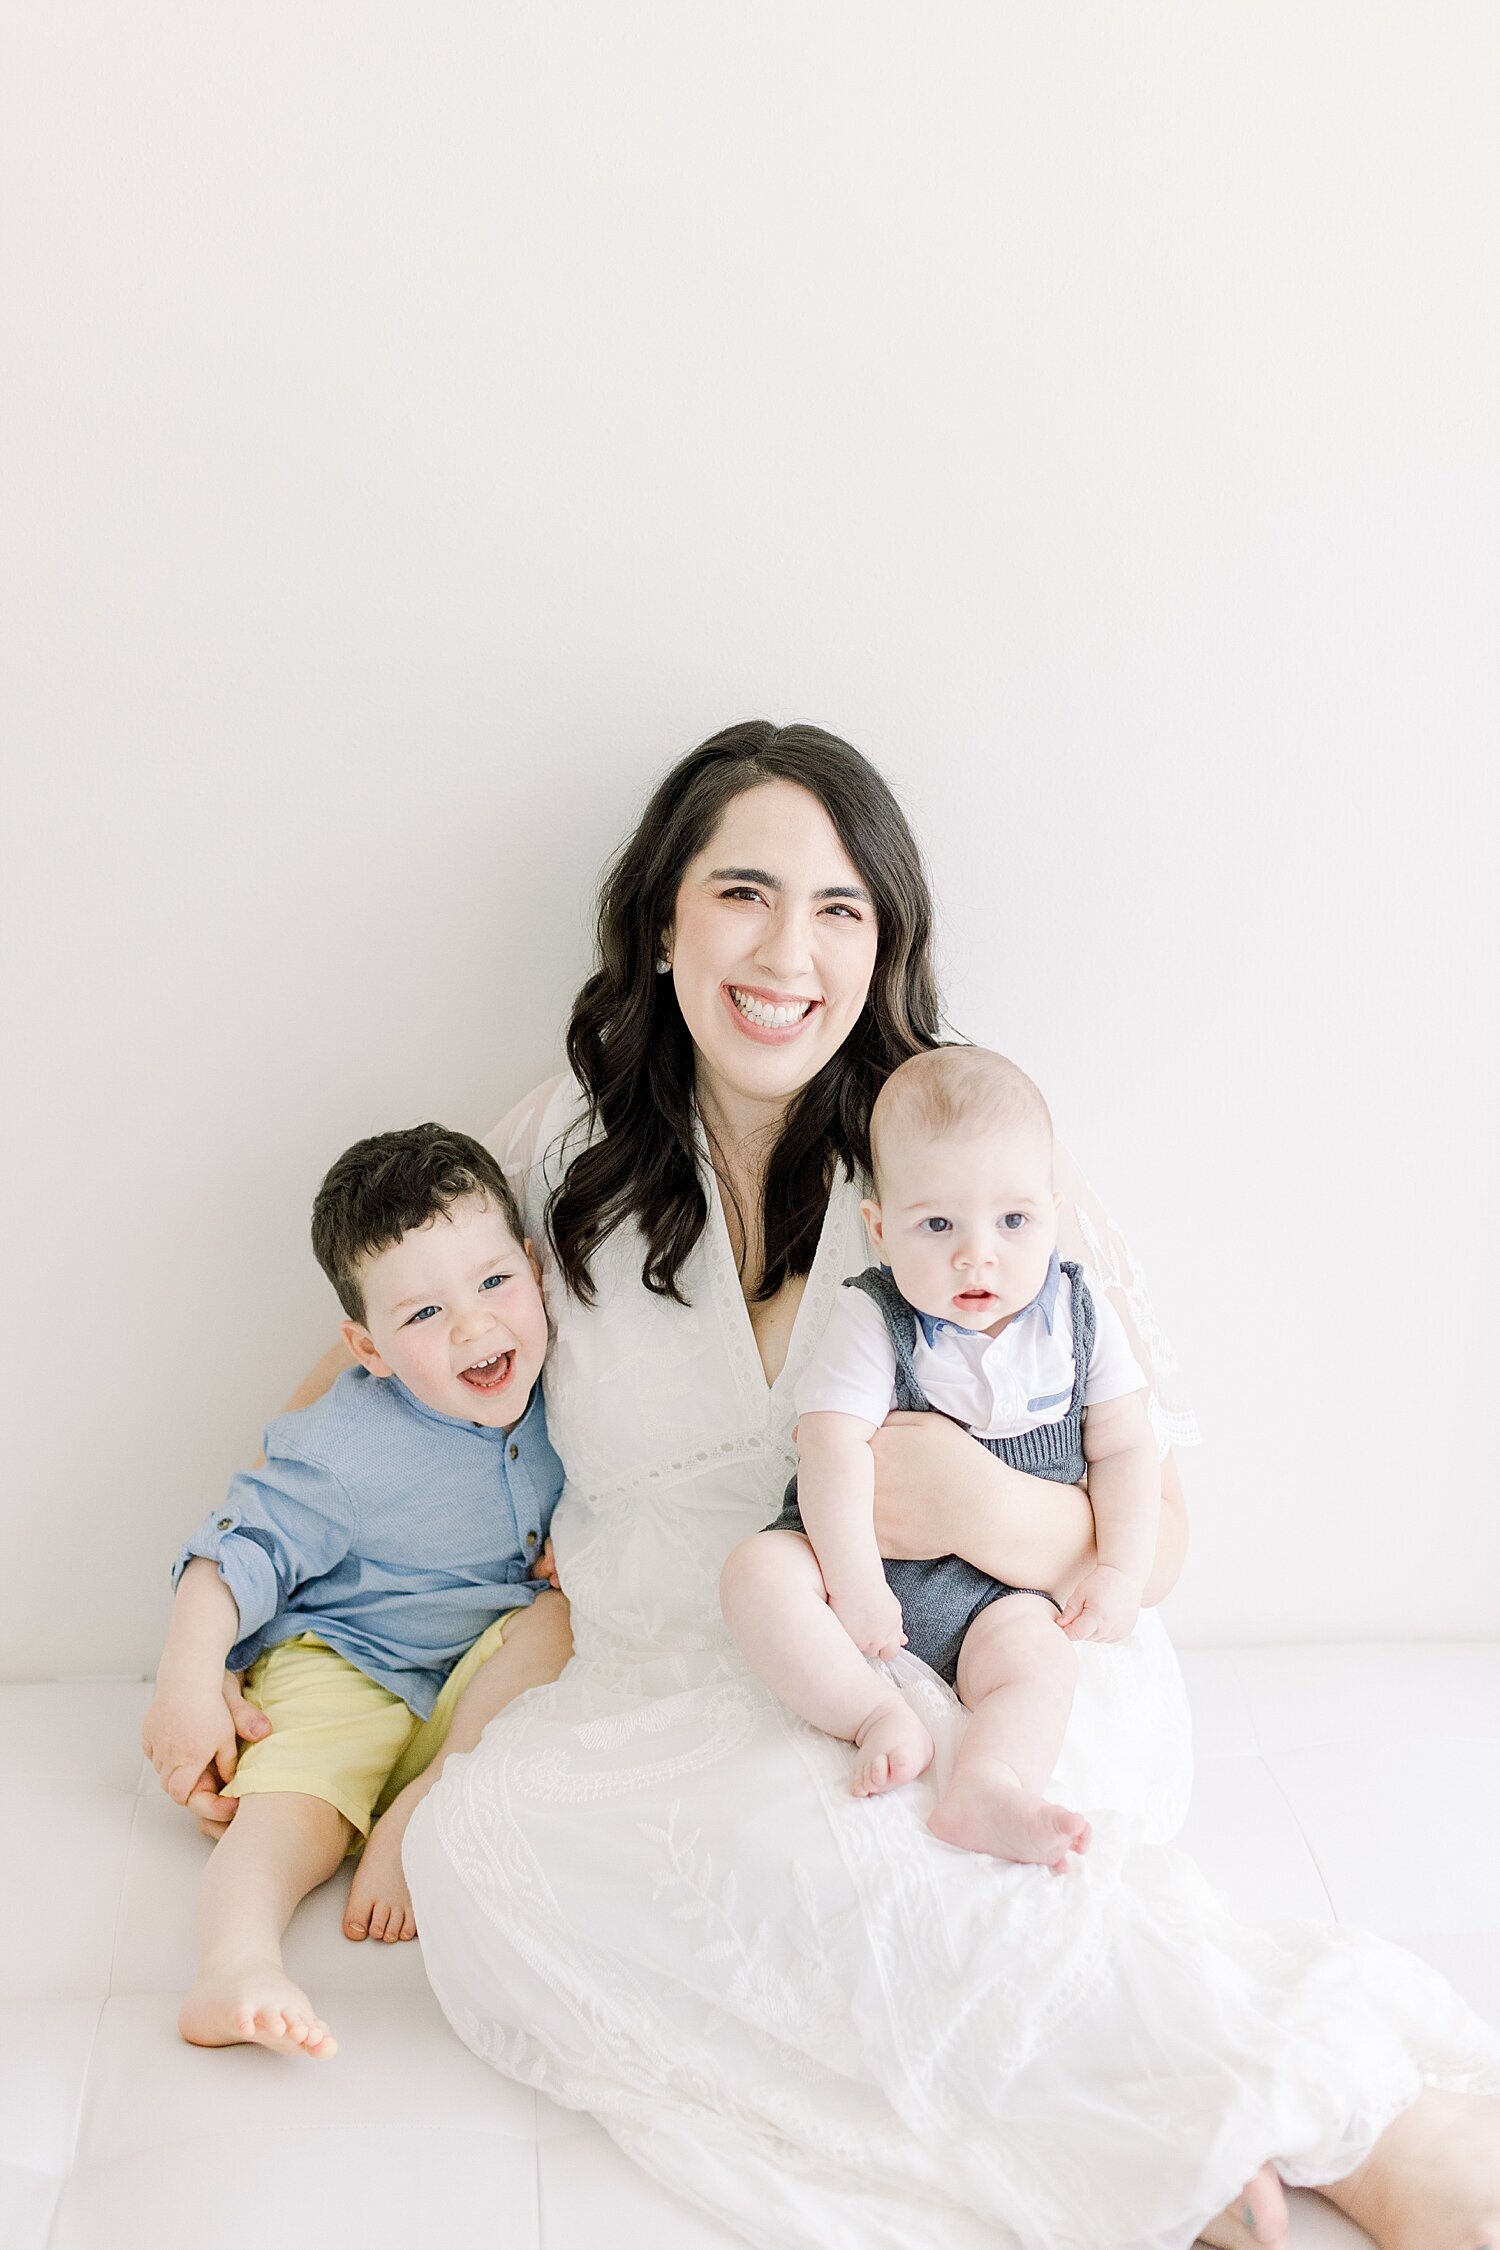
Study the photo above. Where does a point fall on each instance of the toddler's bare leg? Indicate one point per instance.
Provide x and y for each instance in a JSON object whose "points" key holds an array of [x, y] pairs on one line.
{"points": [[777, 1608], [1016, 1673], [534, 1651], [278, 1847]]}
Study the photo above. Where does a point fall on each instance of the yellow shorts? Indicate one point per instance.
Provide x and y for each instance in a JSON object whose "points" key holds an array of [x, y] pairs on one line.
{"points": [[339, 1735]]}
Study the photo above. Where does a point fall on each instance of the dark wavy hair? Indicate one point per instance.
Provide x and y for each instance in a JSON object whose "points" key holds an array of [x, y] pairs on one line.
{"points": [[391, 1184], [633, 1055]]}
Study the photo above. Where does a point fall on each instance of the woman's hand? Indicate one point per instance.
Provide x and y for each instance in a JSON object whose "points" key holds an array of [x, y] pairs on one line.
{"points": [[937, 1492], [924, 1486]]}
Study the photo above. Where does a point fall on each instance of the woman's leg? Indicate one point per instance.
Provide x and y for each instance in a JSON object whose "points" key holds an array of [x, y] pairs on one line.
{"points": [[1255, 2220], [1432, 2180], [776, 1606], [1016, 1675]]}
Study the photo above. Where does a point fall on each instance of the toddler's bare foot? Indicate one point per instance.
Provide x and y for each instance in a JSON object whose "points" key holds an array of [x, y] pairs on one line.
{"points": [[1432, 2180], [996, 1816], [893, 1746], [1255, 2220], [254, 2003], [379, 1901]]}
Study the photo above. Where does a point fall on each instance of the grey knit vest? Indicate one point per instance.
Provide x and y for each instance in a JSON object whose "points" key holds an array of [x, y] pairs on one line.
{"points": [[1054, 1449]]}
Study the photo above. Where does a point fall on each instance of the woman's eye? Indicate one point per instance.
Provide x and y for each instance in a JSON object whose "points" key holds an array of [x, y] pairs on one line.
{"points": [[936, 1226], [1013, 1221], [495, 1281], [838, 907], [742, 890], [426, 1313]]}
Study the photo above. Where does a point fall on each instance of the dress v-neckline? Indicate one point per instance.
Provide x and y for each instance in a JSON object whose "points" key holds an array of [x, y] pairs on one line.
{"points": [[728, 1277]]}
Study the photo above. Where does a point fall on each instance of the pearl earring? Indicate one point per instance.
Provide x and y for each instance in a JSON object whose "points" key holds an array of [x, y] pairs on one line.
{"points": [[663, 966]]}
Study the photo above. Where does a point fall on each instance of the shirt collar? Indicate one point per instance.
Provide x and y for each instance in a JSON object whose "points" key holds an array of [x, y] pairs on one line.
{"points": [[457, 1421], [1044, 1302]]}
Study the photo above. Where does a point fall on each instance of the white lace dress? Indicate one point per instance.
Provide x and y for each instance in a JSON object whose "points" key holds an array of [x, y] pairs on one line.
{"points": [[650, 1893]]}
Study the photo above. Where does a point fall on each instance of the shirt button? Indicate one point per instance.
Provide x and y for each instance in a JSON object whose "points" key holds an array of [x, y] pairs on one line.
{"points": [[531, 1538], [514, 1452], [226, 1523]]}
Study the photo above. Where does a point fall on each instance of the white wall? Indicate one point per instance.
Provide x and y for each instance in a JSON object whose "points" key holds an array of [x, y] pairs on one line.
{"points": [[426, 423]]}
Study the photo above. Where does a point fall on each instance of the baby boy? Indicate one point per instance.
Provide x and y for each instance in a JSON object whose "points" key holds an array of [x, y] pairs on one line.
{"points": [[384, 1553], [972, 1315]]}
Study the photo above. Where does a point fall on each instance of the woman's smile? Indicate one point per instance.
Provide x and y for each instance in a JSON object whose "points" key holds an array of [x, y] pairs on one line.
{"points": [[772, 945], [770, 1018]]}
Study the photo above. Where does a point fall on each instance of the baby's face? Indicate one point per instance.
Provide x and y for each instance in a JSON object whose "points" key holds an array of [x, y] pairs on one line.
{"points": [[455, 1310], [967, 1222]]}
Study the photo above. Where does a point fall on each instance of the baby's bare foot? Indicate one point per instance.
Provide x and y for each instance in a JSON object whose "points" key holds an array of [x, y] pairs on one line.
{"points": [[990, 1815], [1432, 2180], [893, 1746], [379, 1901], [1255, 2220], [256, 2004]]}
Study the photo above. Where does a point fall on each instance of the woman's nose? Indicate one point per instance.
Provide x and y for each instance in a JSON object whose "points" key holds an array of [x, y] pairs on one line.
{"points": [[785, 949]]}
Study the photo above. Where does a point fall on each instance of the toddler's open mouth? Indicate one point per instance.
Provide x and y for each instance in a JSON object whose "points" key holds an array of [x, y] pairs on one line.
{"points": [[489, 1374]]}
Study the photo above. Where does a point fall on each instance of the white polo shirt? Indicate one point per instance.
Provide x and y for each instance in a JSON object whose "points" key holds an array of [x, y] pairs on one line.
{"points": [[997, 1386]]}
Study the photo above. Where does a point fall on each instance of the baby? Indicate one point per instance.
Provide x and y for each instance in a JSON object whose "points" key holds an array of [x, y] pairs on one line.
{"points": [[973, 1315], [386, 1550]]}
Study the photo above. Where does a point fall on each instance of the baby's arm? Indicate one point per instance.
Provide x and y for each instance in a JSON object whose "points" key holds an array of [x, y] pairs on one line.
{"points": [[1125, 1495], [836, 1494], [187, 1732]]}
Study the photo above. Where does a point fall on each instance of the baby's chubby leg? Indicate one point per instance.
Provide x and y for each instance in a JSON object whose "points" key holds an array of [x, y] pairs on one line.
{"points": [[1016, 1674], [776, 1606], [280, 1846]]}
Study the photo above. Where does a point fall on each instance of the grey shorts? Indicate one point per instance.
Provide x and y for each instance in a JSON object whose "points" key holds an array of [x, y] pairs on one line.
{"points": [[939, 1599]]}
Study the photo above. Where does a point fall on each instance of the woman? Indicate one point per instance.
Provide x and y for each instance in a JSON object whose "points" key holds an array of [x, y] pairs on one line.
{"points": [[650, 1892]]}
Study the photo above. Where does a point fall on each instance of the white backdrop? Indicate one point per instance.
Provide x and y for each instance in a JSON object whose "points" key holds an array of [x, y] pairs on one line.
{"points": [[425, 423]]}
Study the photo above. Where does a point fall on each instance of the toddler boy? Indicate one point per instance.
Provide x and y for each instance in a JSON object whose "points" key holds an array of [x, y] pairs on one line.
{"points": [[972, 1315], [386, 1551]]}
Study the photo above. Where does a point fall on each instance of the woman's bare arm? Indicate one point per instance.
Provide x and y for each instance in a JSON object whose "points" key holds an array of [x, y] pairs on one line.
{"points": [[938, 1493], [320, 1378]]}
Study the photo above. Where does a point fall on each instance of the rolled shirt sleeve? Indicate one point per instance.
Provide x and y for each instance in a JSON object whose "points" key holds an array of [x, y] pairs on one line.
{"points": [[280, 1525]]}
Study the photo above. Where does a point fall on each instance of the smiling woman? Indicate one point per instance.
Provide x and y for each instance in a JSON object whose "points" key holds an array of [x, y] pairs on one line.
{"points": [[801, 2007], [770, 872]]}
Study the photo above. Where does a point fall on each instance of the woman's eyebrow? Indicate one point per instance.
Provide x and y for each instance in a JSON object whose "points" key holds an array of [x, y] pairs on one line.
{"points": [[774, 883]]}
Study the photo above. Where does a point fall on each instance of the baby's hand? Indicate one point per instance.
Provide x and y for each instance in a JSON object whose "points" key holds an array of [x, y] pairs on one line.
{"points": [[871, 1616], [545, 1566], [188, 1736], [1103, 1606]]}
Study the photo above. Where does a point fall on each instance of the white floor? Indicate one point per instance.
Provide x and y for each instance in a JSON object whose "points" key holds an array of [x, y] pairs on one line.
{"points": [[1322, 1772]]}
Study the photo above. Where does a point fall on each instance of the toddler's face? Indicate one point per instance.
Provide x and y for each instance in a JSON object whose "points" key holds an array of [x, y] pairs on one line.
{"points": [[455, 1309], [967, 1223]]}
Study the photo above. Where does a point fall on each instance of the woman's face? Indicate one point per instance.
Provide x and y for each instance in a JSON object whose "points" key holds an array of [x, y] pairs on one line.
{"points": [[772, 948]]}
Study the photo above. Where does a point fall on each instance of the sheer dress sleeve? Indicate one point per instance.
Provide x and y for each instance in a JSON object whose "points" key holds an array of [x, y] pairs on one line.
{"points": [[532, 1143], [1088, 1235]]}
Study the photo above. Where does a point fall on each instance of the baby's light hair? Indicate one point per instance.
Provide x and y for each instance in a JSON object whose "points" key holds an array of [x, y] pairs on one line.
{"points": [[956, 1089]]}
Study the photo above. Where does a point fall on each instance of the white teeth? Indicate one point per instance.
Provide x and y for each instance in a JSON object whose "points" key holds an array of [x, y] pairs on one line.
{"points": [[483, 1366], [769, 1019]]}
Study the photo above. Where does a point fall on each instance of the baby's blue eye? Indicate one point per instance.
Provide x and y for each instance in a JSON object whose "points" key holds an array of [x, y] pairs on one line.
{"points": [[1013, 1221], [937, 1226], [494, 1281], [425, 1314]]}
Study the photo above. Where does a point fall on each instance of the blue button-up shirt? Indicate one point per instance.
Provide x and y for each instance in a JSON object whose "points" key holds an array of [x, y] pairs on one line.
{"points": [[395, 1533]]}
